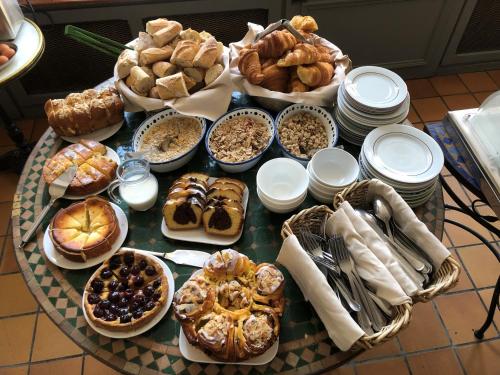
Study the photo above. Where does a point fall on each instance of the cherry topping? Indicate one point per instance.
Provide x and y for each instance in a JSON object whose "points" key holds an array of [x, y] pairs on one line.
{"points": [[106, 273], [135, 270], [129, 293], [135, 306], [93, 298], [122, 287], [143, 264], [124, 271], [97, 285], [110, 317], [113, 284], [148, 291], [157, 283], [137, 314], [98, 312], [114, 297], [138, 298], [128, 258], [157, 295], [138, 281], [114, 309], [126, 318], [123, 302], [149, 306], [114, 262], [150, 271], [104, 304]]}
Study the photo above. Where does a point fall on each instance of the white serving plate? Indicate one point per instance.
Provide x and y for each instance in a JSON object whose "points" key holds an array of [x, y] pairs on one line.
{"points": [[375, 88], [110, 154], [54, 257], [194, 354], [403, 153], [199, 235], [98, 135], [153, 322]]}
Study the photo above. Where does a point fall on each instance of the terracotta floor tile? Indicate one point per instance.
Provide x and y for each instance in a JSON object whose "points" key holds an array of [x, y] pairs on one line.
{"points": [[420, 88], [461, 314], [92, 366], [387, 348], [458, 189], [8, 263], [425, 331], [39, 128], [438, 362], [412, 116], [430, 109], [486, 295], [445, 172], [392, 366], [62, 366], [419, 125], [461, 101], [481, 358], [26, 125], [5, 214], [9, 186], [448, 85], [461, 237], [482, 265], [481, 96], [495, 75], [345, 370], [16, 298], [464, 282], [478, 81], [50, 342], [18, 370], [446, 240], [16, 336]]}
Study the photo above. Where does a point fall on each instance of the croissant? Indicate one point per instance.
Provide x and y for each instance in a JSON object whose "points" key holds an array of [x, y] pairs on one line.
{"points": [[315, 75], [275, 44], [295, 84], [207, 54], [304, 23], [325, 54], [275, 78], [184, 53], [249, 66], [302, 53]]}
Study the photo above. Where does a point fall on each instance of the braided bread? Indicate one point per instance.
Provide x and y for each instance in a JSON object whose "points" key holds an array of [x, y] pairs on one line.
{"points": [[231, 307]]}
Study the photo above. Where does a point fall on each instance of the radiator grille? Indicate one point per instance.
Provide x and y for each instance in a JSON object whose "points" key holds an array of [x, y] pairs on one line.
{"points": [[226, 26], [67, 65], [483, 30]]}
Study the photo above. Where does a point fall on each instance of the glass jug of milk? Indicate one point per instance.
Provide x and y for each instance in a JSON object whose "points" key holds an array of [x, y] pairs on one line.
{"points": [[138, 188]]}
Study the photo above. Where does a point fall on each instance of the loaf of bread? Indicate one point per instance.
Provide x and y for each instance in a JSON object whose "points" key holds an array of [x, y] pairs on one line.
{"points": [[83, 113]]}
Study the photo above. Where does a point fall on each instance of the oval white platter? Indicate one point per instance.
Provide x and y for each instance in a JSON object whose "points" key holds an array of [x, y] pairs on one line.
{"points": [[110, 154], [194, 354], [98, 135], [153, 322], [54, 257], [199, 235]]}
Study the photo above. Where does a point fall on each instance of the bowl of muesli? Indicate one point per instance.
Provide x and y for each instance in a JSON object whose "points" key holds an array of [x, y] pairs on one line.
{"points": [[169, 140], [302, 130], [237, 140]]}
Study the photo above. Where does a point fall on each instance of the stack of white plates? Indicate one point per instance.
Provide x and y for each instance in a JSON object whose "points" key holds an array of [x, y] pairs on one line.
{"points": [[368, 98], [405, 158]]}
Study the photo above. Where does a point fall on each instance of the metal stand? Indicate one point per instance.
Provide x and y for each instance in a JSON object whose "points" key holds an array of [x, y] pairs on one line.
{"points": [[14, 159]]}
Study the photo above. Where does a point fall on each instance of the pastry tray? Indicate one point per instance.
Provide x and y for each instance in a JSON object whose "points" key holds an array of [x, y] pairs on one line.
{"points": [[199, 235]]}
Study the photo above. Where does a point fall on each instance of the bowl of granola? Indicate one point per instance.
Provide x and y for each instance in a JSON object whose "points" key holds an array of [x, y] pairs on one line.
{"points": [[169, 140], [302, 130], [237, 140]]}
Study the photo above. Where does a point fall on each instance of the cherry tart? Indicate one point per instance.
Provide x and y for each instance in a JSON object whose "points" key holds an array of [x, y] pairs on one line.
{"points": [[231, 308], [126, 292]]}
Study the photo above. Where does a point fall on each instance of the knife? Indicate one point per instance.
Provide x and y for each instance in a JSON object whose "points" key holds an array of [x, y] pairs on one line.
{"points": [[193, 258], [56, 190]]}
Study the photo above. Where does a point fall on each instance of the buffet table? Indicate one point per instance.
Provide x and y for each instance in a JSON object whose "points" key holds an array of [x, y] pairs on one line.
{"points": [[304, 345]]}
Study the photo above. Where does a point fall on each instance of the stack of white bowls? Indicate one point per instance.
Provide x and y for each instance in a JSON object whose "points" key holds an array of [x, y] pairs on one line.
{"points": [[282, 185], [368, 98], [330, 171]]}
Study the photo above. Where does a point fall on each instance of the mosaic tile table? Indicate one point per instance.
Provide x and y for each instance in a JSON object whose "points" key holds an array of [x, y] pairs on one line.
{"points": [[304, 344]]}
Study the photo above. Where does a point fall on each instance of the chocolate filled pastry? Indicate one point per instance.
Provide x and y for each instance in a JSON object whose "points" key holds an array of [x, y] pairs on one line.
{"points": [[221, 309], [223, 220]]}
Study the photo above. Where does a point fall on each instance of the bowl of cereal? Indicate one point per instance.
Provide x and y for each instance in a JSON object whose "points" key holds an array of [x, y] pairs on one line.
{"points": [[237, 140], [302, 130], [168, 139]]}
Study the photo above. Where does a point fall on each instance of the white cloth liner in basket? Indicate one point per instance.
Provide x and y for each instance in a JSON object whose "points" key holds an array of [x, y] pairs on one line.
{"points": [[322, 96], [210, 102]]}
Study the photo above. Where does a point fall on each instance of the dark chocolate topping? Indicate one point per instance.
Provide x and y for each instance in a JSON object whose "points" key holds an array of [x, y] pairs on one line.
{"points": [[220, 219], [184, 214]]}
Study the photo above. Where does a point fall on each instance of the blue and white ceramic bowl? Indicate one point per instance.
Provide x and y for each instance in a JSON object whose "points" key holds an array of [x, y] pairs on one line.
{"points": [[324, 116], [178, 161], [244, 165]]}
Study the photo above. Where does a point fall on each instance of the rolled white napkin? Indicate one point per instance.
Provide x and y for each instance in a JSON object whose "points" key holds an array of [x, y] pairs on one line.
{"points": [[409, 223], [373, 241], [369, 267], [341, 328]]}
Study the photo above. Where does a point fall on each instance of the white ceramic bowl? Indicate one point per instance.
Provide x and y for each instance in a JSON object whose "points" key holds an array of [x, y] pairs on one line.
{"points": [[178, 161], [282, 180], [333, 167], [321, 188], [245, 165], [280, 208], [279, 204], [325, 117], [320, 197]]}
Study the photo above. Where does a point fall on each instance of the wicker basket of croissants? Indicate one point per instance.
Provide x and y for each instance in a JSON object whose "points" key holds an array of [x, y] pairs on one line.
{"points": [[171, 66], [279, 68]]}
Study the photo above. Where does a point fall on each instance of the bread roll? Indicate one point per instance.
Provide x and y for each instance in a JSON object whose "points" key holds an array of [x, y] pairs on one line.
{"points": [[155, 25], [173, 86], [127, 59], [163, 69], [165, 35], [213, 73], [152, 55], [195, 73], [204, 35], [184, 53], [143, 41], [190, 82], [190, 34], [207, 54], [153, 93], [140, 81]]}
